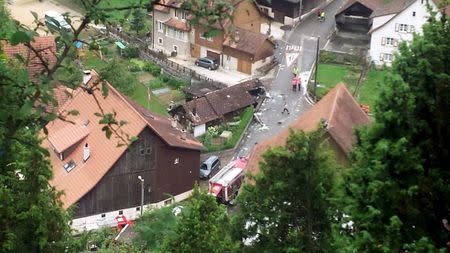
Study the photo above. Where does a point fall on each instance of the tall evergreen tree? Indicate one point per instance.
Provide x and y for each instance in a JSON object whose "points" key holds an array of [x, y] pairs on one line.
{"points": [[288, 208], [137, 22], [400, 181], [203, 227]]}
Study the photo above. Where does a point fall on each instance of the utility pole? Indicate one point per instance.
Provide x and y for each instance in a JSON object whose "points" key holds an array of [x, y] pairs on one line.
{"points": [[142, 193], [300, 10], [317, 62]]}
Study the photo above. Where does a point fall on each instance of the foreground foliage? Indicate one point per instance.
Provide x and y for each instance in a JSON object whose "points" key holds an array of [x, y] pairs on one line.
{"points": [[399, 186], [287, 208]]}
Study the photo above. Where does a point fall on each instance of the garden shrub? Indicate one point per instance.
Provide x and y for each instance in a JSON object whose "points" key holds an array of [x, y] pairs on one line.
{"points": [[130, 52], [156, 83], [134, 67], [152, 68]]}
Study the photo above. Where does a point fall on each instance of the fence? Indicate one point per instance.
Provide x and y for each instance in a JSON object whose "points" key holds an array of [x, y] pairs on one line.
{"points": [[169, 67]]}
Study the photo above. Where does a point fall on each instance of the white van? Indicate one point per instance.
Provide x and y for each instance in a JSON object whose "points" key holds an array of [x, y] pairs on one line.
{"points": [[56, 21]]}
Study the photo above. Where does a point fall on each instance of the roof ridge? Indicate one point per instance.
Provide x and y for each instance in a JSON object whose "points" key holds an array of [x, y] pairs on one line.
{"points": [[333, 109]]}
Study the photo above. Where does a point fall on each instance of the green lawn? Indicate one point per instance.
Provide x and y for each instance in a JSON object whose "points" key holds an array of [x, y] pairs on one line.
{"points": [[91, 61], [372, 86], [155, 105], [331, 74]]}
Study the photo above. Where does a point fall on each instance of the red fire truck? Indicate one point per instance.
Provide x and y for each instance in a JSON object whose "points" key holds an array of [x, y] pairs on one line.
{"points": [[226, 183]]}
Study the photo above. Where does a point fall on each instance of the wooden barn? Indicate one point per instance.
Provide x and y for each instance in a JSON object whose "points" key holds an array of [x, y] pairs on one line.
{"points": [[99, 178]]}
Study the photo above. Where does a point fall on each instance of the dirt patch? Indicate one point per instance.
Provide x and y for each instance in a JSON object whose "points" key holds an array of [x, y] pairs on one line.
{"points": [[20, 10], [145, 77]]}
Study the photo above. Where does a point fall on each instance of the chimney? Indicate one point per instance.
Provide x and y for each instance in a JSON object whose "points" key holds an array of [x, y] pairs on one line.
{"points": [[173, 122], [86, 152], [236, 37], [86, 76], [183, 134]]}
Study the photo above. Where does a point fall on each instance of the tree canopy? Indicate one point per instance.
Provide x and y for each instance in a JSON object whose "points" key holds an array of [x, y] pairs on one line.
{"points": [[399, 185], [287, 208]]}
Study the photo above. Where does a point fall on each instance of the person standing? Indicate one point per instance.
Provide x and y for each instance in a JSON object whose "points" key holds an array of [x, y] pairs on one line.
{"points": [[295, 70], [285, 109]]}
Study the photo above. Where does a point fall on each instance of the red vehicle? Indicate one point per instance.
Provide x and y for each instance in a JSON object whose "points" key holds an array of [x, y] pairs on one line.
{"points": [[226, 183]]}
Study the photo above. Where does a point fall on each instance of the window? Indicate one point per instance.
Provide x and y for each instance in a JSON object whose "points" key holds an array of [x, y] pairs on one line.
{"points": [[228, 58], [388, 57], [120, 212], [176, 161], [142, 151], [70, 166], [390, 41], [138, 208], [148, 151], [167, 202], [204, 167], [180, 14], [103, 215], [414, 13], [160, 41], [402, 27], [160, 26]]}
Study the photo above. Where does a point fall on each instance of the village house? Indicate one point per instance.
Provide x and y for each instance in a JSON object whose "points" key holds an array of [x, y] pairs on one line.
{"points": [[387, 23], [340, 114], [171, 29], [239, 44], [46, 47], [101, 178], [217, 106], [286, 12]]}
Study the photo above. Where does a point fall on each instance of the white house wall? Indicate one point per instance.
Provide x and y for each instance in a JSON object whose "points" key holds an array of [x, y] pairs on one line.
{"points": [[199, 130], [97, 221], [165, 43], [379, 49], [260, 63], [381, 20], [230, 62]]}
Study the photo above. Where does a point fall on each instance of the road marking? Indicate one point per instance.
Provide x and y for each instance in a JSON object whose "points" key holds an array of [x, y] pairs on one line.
{"points": [[290, 58]]}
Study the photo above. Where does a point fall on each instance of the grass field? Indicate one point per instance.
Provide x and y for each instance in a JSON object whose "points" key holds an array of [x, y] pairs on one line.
{"points": [[372, 86], [331, 74], [155, 105]]}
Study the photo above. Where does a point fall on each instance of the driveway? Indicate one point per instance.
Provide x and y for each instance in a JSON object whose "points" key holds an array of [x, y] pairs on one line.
{"points": [[21, 11], [228, 77]]}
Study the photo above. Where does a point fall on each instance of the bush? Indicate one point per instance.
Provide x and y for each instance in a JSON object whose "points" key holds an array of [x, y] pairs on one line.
{"points": [[156, 83], [105, 50], [327, 57], [152, 68], [165, 78], [130, 52], [134, 67]]}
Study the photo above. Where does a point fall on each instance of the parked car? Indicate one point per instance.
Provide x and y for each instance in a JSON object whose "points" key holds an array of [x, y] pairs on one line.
{"points": [[210, 167], [207, 63], [56, 22]]}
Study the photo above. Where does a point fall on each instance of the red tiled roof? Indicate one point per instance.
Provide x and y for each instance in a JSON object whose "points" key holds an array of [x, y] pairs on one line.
{"points": [[45, 45], [177, 24], [338, 108], [104, 151]]}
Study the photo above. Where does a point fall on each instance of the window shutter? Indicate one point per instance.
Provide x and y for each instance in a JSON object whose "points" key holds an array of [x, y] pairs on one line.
{"points": [[381, 57], [396, 27], [383, 41], [395, 42], [412, 29]]}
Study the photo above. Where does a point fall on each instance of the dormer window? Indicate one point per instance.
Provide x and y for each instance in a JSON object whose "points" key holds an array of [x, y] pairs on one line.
{"points": [[70, 166]]}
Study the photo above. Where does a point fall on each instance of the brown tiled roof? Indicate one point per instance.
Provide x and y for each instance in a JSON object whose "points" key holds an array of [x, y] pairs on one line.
{"points": [[177, 24], [215, 104], [104, 152], [338, 108], [250, 43], [205, 112], [45, 45], [229, 99], [446, 8]]}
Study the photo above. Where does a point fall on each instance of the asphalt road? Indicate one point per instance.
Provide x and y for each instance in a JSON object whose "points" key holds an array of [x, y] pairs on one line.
{"points": [[298, 49]]}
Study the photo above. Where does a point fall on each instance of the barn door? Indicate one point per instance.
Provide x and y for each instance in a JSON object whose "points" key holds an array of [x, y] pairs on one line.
{"points": [[244, 66]]}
